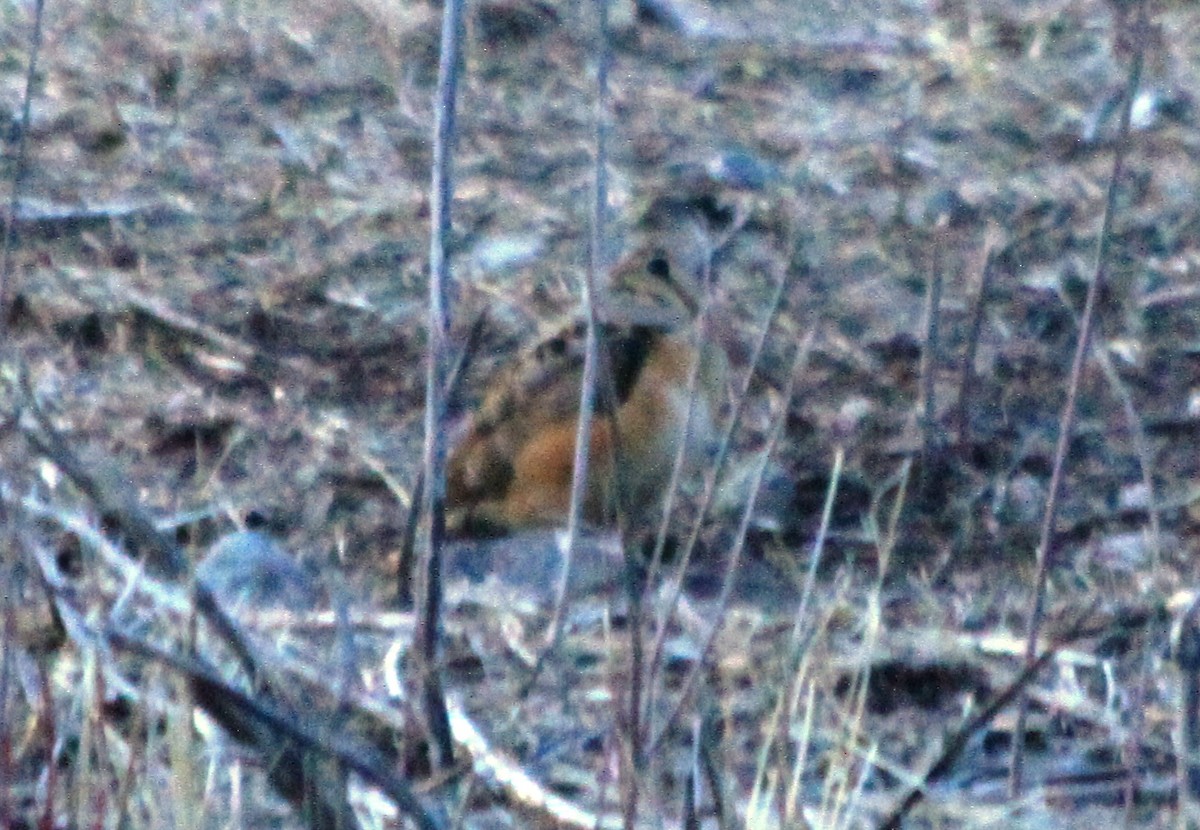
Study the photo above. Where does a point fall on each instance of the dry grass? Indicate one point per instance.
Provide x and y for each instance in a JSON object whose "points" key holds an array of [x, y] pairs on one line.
{"points": [[219, 283]]}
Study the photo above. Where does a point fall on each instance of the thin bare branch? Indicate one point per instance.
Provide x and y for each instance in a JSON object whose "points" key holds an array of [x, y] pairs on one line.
{"points": [[113, 500], [429, 604], [283, 738], [404, 566], [593, 277], [8, 626], [958, 742], [818, 546], [691, 783], [735, 556], [20, 165], [1141, 449], [710, 486], [929, 356], [1099, 272], [701, 339], [966, 382], [1185, 651]]}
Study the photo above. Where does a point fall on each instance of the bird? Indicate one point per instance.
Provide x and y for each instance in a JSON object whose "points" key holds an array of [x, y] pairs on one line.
{"points": [[513, 469]]}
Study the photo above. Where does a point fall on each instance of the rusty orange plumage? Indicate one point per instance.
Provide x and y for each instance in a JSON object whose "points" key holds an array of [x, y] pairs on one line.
{"points": [[513, 469]]}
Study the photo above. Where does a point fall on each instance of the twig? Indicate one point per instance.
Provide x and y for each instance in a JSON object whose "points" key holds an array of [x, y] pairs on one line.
{"points": [[701, 341], [958, 742], [1185, 651], [159, 552], [710, 486], [264, 722], [955, 745], [8, 636], [691, 782], [269, 730], [1141, 448], [735, 557], [818, 546], [517, 784], [404, 567], [632, 753], [591, 351], [966, 382], [21, 164], [1068, 414], [429, 692], [929, 359]]}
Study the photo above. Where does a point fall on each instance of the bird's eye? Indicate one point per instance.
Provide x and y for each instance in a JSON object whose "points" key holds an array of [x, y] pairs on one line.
{"points": [[659, 267], [555, 347]]}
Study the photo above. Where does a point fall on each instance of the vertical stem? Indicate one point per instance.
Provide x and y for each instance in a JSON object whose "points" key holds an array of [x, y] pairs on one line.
{"points": [[8, 627], [19, 166], [1068, 414], [591, 354], [966, 372], [929, 358], [431, 694]]}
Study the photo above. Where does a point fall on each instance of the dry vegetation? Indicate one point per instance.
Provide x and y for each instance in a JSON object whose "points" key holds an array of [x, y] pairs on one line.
{"points": [[218, 296]]}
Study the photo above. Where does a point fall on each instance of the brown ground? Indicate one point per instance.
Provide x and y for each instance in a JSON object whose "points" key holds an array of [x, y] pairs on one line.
{"points": [[220, 264]]}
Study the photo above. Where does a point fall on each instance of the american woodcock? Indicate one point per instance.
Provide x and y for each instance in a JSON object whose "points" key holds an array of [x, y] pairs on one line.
{"points": [[513, 469]]}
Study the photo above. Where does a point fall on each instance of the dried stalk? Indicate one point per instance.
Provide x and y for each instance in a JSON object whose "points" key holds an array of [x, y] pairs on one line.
{"points": [[8, 634], [160, 554], [429, 692], [701, 337], [818, 547], [20, 165], [710, 488], [1185, 651], [1067, 421], [283, 737], [735, 556], [966, 381], [408, 540], [591, 354], [929, 358]]}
